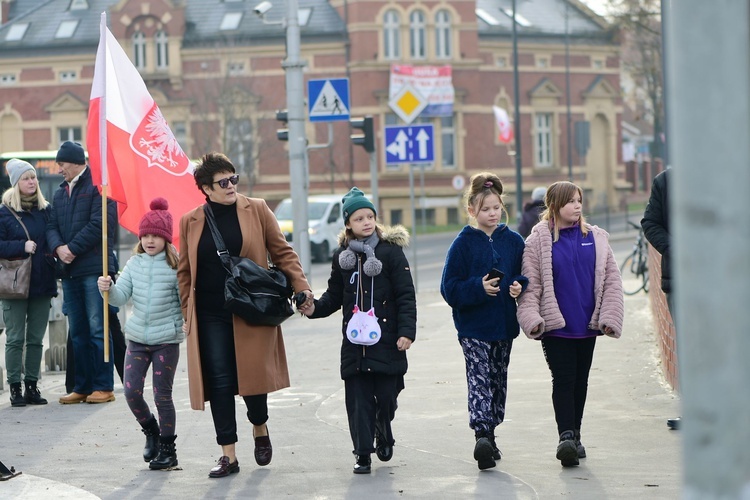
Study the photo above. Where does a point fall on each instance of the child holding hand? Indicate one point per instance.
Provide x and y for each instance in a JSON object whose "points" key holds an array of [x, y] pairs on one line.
{"points": [[371, 280], [153, 332]]}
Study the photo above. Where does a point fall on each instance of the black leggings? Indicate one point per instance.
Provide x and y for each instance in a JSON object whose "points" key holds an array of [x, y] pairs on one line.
{"points": [[216, 339], [569, 360]]}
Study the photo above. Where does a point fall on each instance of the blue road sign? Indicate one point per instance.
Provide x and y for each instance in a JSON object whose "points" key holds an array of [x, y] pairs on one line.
{"points": [[409, 144], [328, 100]]}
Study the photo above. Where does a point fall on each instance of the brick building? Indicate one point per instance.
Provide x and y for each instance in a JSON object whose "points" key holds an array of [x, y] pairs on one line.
{"points": [[214, 68]]}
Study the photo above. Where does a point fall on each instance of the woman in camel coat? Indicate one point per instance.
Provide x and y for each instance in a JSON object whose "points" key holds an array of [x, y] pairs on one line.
{"points": [[226, 355]]}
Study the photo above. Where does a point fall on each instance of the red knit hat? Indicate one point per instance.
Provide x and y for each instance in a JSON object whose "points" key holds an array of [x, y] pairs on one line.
{"points": [[158, 221]]}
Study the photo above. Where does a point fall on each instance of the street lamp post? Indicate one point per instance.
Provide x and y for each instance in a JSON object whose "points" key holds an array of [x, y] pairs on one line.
{"points": [[517, 119], [298, 175]]}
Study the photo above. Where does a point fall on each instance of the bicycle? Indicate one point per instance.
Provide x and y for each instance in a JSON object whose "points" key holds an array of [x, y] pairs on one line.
{"points": [[634, 268]]}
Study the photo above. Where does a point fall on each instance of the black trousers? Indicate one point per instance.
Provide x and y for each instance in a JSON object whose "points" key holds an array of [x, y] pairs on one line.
{"points": [[569, 361], [219, 364], [371, 405], [118, 349]]}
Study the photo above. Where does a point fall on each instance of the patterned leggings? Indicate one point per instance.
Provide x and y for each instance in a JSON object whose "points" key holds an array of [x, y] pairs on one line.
{"points": [[164, 358], [487, 379]]}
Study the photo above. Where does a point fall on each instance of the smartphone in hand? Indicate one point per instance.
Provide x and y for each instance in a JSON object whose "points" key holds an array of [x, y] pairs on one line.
{"points": [[496, 273]]}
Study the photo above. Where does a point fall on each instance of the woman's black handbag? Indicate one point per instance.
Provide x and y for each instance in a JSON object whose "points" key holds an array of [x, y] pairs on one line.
{"points": [[258, 295]]}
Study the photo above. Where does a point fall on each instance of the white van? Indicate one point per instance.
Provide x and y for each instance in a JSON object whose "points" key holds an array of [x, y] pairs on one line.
{"points": [[325, 222]]}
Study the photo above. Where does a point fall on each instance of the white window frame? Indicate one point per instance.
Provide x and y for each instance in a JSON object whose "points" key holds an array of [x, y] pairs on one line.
{"points": [[417, 35], [448, 136], [16, 32], [69, 134], [8, 79], [162, 49], [231, 21], [79, 5], [443, 46], [139, 50], [68, 76], [543, 139], [66, 29], [392, 34]]}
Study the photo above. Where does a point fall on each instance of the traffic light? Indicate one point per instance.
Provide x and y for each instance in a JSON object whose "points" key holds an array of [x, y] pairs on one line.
{"points": [[367, 139], [282, 134]]}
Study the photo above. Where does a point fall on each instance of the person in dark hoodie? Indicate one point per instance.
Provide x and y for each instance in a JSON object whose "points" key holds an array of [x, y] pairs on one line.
{"points": [[655, 224], [532, 211], [371, 280], [484, 307]]}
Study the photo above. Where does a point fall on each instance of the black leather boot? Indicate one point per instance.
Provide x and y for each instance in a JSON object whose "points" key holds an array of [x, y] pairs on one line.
{"points": [[16, 396], [167, 457], [151, 430], [31, 395]]}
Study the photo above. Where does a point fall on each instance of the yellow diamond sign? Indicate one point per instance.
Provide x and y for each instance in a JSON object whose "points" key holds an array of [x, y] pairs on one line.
{"points": [[407, 103]]}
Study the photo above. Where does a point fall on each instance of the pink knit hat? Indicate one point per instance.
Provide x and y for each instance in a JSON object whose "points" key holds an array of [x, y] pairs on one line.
{"points": [[158, 221]]}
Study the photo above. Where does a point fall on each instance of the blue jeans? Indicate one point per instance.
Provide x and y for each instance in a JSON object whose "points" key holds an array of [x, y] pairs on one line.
{"points": [[85, 308]]}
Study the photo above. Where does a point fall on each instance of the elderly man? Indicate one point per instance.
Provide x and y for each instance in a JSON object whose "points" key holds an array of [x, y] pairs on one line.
{"points": [[74, 232]]}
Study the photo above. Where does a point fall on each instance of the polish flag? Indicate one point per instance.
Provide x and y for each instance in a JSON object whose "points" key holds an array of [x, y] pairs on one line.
{"points": [[504, 129], [143, 159]]}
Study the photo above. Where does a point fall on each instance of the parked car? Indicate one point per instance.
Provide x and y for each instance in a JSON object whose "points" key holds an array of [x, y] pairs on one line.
{"points": [[325, 222]]}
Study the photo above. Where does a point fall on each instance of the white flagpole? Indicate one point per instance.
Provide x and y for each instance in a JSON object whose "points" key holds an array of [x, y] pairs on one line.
{"points": [[105, 179]]}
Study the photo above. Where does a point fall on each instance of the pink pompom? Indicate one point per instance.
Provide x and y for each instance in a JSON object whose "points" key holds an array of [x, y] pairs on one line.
{"points": [[159, 204]]}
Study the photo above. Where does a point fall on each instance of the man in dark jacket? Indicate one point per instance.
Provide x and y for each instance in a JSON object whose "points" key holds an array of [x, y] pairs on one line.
{"points": [[74, 232], [532, 211], [655, 224]]}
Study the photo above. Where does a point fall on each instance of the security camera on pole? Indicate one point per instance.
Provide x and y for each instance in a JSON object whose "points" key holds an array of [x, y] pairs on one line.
{"points": [[298, 178]]}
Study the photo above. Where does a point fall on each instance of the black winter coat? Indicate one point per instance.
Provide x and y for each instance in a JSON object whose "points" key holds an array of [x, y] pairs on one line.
{"points": [[394, 301], [655, 224], [76, 221], [530, 217], [12, 242]]}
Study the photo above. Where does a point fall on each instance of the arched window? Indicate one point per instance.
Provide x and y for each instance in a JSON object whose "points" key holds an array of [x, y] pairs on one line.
{"points": [[443, 34], [416, 34], [139, 50], [162, 50], [392, 35]]}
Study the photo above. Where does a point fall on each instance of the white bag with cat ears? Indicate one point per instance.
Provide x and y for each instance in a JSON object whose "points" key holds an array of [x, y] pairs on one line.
{"points": [[363, 327]]}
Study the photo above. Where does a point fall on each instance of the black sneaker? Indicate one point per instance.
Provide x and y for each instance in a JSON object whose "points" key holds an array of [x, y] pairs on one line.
{"points": [[579, 447], [495, 450], [363, 465], [484, 453], [567, 452]]}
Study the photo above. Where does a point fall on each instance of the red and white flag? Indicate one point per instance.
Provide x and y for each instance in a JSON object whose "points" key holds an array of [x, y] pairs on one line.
{"points": [[504, 128], [143, 159]]}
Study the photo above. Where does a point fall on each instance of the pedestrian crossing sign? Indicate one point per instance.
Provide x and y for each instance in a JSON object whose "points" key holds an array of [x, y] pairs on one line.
{"points": [[328, 100]]}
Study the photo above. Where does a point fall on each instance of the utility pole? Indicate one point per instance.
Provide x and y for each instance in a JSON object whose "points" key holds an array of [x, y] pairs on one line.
{"points": [[709, 116], [517, 120], [298, 176], [567, 92]]}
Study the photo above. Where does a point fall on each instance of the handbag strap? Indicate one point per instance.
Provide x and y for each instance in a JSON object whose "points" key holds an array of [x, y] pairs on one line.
{"points": [[221, 248], [18, 218]]}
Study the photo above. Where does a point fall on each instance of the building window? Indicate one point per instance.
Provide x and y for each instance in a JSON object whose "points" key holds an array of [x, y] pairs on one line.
{"points": [[443, 34], [235, 68], [7, 79], [397, 216], [180, 133], [69, 134], [392, 35], [68, 76], [452, 216], [231, 21], [66, 29], [542, 62], [448, 142], [162, 50], [239, 140], [501, 62], [417, 34], [16, 32], [139, 50], [426, 216], [79, 5], [543, 140], [598, 64]]}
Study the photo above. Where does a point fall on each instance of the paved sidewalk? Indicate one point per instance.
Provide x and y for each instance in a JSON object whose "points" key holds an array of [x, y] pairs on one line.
{"points": [[89, 451]]}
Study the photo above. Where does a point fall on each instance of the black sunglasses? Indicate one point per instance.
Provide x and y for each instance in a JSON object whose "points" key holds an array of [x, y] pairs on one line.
{"points": [[224, 183]]}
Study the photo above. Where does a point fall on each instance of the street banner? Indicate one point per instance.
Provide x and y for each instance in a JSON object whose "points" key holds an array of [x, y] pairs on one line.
{"points": [[504, 128], [434, 83], [143, 158]]}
